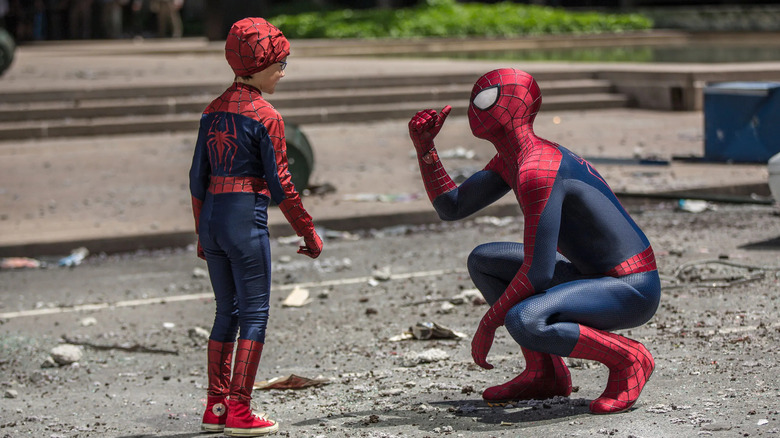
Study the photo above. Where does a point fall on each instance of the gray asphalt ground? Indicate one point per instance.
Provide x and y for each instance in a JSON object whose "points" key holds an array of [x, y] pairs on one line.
{"points": [[142, 371]]}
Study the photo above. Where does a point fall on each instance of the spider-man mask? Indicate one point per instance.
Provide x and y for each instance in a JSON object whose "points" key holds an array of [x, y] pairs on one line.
{"points": [[253, 44], [503, 103]]}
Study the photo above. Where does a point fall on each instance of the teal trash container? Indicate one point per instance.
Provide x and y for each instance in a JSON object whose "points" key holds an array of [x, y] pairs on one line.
{"points": [[299, 155], [742, 121], [7, 49]]}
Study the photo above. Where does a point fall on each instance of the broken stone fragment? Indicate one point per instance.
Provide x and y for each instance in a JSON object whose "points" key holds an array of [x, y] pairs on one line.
{"points": [[66, 354]]}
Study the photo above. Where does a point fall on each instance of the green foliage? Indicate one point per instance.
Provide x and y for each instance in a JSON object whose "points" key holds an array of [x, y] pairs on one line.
{"points": [[447, 18]]}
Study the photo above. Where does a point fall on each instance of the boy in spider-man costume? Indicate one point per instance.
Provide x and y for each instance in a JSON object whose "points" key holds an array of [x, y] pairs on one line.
{"points": [[584, 267], [240, 165]]}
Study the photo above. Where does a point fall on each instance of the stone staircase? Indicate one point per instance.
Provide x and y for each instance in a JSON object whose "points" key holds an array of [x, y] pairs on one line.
{"points": [[150, 108]]}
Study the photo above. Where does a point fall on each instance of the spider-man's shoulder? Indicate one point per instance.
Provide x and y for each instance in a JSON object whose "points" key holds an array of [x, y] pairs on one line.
{"points": [[244, 101], [259, 110]]}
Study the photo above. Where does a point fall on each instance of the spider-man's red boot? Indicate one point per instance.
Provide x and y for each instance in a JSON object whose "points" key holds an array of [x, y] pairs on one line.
{"points": [[545, 376], [241, 420], [630, 366], [220, 356]]}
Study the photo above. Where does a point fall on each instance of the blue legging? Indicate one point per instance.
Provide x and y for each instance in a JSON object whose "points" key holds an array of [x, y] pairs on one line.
{"points": [[548, 321], [234, 236]]}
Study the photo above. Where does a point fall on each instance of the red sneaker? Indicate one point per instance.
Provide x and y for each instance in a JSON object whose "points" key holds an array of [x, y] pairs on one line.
{"points": [[215, 415], [243, 421]]}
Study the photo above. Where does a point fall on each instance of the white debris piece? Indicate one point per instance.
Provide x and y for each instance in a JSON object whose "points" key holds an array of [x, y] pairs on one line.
{"points": [[297, 298], [66, 354], [428, 356]]}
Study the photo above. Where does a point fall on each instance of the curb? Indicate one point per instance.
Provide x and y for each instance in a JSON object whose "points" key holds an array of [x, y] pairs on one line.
{"points": [[743, 194]]}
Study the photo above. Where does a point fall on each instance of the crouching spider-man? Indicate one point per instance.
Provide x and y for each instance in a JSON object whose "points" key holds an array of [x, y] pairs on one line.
{"points": [[584, 268]]}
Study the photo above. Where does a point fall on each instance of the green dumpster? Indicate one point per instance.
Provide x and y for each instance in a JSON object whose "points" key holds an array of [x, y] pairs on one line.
{"points": [[7, 48], [299, 155]]}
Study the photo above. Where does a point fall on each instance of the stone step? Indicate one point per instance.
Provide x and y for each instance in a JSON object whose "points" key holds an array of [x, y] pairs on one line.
{"points": [[25, 130], [96, 108], [211, 88]]}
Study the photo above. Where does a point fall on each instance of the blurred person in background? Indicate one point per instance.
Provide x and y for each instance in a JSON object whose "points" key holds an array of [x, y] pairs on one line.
{"points": [[80, 19], [168, 14]]}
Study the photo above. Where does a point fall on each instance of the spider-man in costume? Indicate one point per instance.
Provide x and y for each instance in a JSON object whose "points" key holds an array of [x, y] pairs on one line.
{"points": [[584, 268], [239, 166]]}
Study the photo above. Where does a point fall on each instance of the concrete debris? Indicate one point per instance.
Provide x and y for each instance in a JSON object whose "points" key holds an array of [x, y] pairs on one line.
{"points": [[198, 334], [298, 297], [200, 273], [428, 356], [391, 392], [88, 321], [66, 354], [473, 296], [446, 307], [382, 274]]}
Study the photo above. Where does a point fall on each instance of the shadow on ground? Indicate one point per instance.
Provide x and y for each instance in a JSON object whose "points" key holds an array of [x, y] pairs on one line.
{"points": [[460, 415], [770, 244]]}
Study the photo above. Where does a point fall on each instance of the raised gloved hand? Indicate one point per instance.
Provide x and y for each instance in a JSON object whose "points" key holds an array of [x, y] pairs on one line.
{"points": [[424, 127]]}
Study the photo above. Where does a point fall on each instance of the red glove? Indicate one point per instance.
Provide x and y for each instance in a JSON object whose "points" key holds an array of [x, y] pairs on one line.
{"points": [[296, 215], [481, 343], [424, 126], [312, 245]]}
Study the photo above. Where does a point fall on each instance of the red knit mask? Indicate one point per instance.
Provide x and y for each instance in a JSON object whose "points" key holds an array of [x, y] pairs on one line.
{"points": [[253, 44]]}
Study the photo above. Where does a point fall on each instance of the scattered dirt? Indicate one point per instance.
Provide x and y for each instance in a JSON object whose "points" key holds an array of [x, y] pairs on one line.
{"points": [[142, 367]]}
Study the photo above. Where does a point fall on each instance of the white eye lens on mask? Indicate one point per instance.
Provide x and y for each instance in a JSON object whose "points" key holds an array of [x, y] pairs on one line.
{"points": [[486, 98]]}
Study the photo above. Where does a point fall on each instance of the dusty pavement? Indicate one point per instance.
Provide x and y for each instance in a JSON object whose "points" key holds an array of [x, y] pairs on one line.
{"points": [[142, 373]]}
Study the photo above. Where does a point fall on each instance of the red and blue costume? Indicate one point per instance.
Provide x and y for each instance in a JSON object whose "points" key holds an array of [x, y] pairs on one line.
{"points": [[584, 268], [239, 166]]}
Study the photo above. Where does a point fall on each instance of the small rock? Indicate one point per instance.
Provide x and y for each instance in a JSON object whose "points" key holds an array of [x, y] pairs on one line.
{"points": [[466, 296], [381, 274], [66, 354], [88, 321], [391, 392], [200, 273], [11, 393], [427, 356], [198, 334], [446, 307]]}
